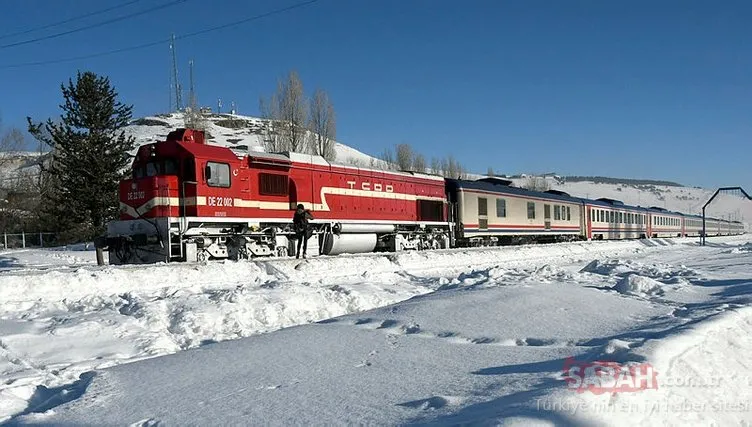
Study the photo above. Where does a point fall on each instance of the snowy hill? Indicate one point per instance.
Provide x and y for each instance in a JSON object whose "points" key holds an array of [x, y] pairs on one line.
{"points": [[240, 133]]}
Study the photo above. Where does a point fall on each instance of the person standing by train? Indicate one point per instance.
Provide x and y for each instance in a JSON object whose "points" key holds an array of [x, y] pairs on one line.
{"points": [[302, 228]]}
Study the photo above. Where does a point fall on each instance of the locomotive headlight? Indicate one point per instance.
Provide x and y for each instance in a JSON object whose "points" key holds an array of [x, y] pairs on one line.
{"points": [[133, 186]]}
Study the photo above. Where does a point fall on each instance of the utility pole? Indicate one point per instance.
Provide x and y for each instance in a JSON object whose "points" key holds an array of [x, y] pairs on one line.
{"points": [[178, 98], [192, 93]]}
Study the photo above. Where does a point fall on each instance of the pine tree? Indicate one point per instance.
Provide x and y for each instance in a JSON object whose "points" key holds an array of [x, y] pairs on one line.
{"points": [[89, 155]]}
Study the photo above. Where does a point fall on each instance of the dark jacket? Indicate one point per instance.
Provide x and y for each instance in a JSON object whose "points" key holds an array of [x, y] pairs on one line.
{"points": [[300, 221]]}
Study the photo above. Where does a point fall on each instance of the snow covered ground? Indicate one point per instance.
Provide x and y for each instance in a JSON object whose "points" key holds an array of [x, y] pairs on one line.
{"points": [[460, 336]]}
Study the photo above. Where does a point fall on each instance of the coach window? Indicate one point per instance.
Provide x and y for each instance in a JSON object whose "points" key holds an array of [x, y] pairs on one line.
{"points": [[501, 208], [530, 210], [217, 174], [557, 212], [569, 214]]}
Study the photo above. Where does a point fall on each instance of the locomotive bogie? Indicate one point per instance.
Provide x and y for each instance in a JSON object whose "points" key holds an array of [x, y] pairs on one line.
{"points": [[138, 241]]}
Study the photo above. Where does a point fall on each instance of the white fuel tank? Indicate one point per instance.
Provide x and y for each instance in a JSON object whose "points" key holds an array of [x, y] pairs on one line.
{"points": [[333, 244], [364, 228]]}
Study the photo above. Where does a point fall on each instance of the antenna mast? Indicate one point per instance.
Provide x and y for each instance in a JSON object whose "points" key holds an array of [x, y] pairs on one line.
{"points": [[178, 100], [192, 93]]}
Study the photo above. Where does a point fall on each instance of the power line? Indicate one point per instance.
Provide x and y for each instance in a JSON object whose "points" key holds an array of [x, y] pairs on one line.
{"points": [[163, 41], [75, 18], [98, 24]]}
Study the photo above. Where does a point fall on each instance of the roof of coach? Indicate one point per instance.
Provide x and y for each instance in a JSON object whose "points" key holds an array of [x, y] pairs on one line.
{"points": [[611, 203], [499, 188], [658, 210]]}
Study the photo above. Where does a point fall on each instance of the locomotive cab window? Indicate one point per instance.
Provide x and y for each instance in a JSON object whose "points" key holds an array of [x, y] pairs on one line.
{"points": [[217, 174], [155, 168], [273, 185]]}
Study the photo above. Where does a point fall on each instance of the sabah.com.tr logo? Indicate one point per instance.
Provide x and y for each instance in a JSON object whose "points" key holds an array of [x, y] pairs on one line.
{"points": [[603, 376]]}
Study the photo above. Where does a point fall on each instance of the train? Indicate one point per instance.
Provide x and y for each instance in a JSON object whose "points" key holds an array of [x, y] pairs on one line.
{"points": [[189, 201]]}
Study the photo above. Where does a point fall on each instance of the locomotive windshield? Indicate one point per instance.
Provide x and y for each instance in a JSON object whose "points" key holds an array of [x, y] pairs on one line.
{"points": [[156, 167]]}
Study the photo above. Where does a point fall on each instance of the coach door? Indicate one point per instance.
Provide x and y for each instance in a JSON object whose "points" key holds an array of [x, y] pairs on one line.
{"points": [[547, 216], [482, 213]]}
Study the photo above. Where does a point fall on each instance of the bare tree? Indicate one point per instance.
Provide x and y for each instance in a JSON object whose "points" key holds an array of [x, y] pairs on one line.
{"points": [[444, 167], [11, 141], [536, 183], [194, 119], [287, 111], [388, 158], [404, 156], [419, 163], [490, 171], [293, 110], [436, 166], [454, 170], [323, 124], [272, 139]]}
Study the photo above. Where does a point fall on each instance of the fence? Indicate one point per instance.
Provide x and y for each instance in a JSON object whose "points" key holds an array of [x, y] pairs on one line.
{"points": [[27, 240]]}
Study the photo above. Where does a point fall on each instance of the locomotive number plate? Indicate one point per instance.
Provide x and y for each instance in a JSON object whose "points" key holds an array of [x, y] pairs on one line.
{"points": [[219, 201], [136, 195]]}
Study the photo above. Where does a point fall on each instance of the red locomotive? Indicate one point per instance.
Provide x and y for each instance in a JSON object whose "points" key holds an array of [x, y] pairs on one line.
{"points": [[189, 201]]}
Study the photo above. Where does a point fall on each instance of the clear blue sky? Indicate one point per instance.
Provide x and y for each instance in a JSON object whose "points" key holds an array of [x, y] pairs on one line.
{"points": [[642, 89]]}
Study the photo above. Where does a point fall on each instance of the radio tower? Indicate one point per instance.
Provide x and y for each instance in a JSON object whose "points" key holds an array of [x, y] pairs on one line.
{"points": [[178, 98]]}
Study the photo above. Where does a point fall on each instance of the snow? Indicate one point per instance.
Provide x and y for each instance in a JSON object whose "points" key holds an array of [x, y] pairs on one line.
{"points": [[635, 284], [455, 336]]}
